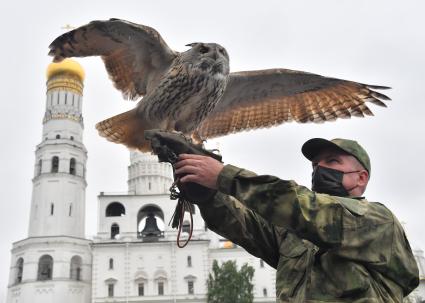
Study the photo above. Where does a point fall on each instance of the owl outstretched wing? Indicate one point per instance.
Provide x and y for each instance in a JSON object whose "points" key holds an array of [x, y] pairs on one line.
{"points": [[135, 56], [265, 98]]}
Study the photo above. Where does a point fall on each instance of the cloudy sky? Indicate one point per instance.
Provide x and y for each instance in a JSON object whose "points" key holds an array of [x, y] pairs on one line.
{"points": [[376, 42]]}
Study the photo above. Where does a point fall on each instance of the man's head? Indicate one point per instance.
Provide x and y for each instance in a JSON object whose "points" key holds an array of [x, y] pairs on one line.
{"points": [[340, 167]]}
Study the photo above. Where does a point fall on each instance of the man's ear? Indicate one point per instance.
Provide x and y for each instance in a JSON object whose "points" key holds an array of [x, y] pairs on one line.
{"points": [[363, 178]]}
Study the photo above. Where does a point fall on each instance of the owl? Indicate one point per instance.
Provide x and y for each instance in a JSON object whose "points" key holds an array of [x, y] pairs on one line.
{"points": [[193, 92]]}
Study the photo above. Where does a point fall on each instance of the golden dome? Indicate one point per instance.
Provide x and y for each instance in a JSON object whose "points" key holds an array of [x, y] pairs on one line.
{"points": [[228, 244], [65, 66]]}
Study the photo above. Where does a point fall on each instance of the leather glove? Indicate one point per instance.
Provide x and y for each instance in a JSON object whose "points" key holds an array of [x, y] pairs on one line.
{"points": [[168, 146]]}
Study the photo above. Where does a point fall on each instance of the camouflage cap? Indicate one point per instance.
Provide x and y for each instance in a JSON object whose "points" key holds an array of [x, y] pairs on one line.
{"points": [[314, 146]]}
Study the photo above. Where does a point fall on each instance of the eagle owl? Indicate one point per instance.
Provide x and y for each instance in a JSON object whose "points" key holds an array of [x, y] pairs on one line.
{"points": [[193, 92]]}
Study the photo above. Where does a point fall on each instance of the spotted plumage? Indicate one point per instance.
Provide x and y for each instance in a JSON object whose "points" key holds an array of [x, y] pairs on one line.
{"points": [[193, 91]]}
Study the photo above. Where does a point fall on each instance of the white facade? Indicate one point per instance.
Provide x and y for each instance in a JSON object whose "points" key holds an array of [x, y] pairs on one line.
{"points": [[124, 260]]}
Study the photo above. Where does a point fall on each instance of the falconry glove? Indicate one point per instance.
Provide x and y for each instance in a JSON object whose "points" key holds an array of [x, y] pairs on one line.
{"points": [[168, 146]]}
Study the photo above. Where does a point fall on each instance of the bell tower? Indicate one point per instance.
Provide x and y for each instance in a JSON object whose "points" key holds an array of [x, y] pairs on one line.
{"points": [[54, 263], [58, 198]]}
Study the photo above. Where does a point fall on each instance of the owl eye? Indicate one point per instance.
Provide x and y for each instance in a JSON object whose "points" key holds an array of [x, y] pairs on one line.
{"points": [[203, 49]]}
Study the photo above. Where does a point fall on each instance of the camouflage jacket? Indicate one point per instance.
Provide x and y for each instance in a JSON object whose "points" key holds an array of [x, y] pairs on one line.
{"points": [[324, 248]]}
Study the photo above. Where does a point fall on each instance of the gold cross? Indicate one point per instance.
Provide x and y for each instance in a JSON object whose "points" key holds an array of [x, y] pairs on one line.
{"points": [[68, 27]]}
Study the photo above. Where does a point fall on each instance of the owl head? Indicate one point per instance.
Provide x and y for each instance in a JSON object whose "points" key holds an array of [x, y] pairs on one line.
{"points": [[208, 57]]}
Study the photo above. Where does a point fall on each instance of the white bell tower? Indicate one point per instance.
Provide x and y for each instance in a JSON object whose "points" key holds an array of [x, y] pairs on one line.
{"points": [[58, 198], [54, 263]]}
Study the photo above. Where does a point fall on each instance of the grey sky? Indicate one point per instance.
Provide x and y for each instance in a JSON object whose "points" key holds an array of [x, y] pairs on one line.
{"points": [[375, 42]]}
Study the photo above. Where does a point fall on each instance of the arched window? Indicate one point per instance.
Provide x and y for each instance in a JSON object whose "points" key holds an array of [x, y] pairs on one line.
{"points": [[75, 269], [111, 263], [45, 268], [141, 288], [72, 166], [150, 222], [52, 209], [55, 164], [265, 292], [261, 263], [19, 270], [40, 166], [161, 279], [115, 230], [160, 288], [115, 209], [72, 137], [189, 261], [190, 287], [58, 136], [110, 290]]}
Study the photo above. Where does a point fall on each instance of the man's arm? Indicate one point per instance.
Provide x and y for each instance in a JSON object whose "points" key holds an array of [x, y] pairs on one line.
{"points": [[282, 203], [232, 220]]}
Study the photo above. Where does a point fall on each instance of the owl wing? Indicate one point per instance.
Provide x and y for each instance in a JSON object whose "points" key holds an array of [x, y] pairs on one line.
{"points": [[265, 98], [135, 56]]}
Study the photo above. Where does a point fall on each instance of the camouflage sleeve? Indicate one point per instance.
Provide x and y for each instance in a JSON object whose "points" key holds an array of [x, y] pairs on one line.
{"points": [[356, 230], [232, 220], [311, 216]]}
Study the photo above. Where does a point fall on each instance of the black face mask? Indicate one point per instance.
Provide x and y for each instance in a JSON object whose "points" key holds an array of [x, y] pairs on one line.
{"points": [[329, 181]]}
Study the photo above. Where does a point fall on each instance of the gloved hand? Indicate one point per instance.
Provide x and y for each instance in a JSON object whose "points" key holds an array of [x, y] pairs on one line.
{"points": [[168, 146]]}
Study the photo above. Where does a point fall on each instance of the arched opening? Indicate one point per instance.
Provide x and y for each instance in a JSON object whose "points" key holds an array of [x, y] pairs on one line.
{"points": [[189, 261], [190, 279], [190, 287], [45, 268], [115, 231], [75, 268], [72, 166], [55, 164], [58, 136], [19, 270], [150, 222], [111, 263], [141, 279], [160, 277], [115, 209]]}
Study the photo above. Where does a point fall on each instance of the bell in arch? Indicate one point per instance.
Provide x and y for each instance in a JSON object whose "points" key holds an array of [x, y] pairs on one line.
{"points": [[151, 227]]}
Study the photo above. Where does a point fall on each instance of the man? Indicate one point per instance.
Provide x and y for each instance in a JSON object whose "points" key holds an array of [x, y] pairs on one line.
{"points": [[328, 244]]}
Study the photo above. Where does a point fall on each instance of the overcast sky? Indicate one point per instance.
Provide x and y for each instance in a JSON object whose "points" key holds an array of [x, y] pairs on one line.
{"points": [[374, 42]]}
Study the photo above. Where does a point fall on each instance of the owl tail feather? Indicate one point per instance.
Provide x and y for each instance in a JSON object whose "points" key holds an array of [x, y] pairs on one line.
{"points": [[126, 128]]}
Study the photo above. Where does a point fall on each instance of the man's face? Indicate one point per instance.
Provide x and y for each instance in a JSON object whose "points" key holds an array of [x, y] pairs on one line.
{"points": [[355, 176]]}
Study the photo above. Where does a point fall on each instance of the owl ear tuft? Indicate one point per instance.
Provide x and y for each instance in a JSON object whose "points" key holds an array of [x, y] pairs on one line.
{"points": [[193, 44]]}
